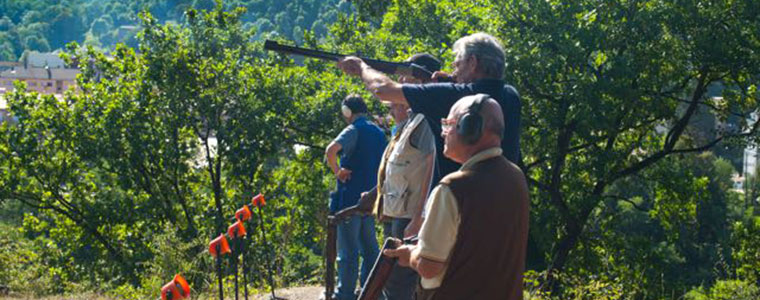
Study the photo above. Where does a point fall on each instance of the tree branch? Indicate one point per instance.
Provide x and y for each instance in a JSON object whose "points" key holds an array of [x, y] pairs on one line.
{"points": [[636, 206], [673, 135]]}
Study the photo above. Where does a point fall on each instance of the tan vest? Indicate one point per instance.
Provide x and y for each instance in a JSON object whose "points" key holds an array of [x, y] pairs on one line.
{"points": [[404, 168]]}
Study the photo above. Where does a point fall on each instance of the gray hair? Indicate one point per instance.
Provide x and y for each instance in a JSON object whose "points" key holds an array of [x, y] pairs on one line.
{"points": [[487, 49]]}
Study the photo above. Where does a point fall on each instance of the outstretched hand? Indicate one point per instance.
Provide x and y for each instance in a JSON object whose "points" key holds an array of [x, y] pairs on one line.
{"points": [[403, 253], [351, 65], [440, 76]]}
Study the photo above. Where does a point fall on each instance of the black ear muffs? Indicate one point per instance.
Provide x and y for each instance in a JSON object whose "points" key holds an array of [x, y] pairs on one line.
{"points": [[470, 124]]}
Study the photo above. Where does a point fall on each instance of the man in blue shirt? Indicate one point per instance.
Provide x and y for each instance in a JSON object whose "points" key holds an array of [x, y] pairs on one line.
{"points": [[360, 146], [478, 68]]}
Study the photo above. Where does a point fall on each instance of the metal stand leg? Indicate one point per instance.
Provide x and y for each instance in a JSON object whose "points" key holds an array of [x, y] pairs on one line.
{"points": [[245, 269], [235, 264], [219, 271], [266, 247]]}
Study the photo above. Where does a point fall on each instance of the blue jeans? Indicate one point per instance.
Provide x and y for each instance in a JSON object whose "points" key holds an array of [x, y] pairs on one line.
{"points": [[403, 281], [356, 236]]}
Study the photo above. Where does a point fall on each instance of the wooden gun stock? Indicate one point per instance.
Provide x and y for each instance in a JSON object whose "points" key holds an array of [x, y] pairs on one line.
{"points": [[365, 206], [405, 69], [381, 271], [330, 255]]}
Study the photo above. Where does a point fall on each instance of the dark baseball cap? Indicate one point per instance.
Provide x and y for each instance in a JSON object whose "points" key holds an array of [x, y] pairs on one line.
{"points": [[426, 61]]}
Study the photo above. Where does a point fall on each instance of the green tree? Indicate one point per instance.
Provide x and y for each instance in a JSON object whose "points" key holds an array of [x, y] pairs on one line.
{"points": [[162, 146], [609, 89]]}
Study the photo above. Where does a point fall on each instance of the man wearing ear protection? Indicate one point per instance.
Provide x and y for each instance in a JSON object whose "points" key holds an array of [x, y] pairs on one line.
{"points": [[404, 179], [360, 146], [473, 241], [478, 68]]}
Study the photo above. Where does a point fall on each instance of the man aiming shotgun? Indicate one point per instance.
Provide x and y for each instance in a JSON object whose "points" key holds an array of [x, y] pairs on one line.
{"points": [[478, 68], [403, 181]]}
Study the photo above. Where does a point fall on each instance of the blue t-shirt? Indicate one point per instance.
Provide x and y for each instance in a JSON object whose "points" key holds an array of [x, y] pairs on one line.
{"points": [[347, 139], [362, 145], [434, 100]]}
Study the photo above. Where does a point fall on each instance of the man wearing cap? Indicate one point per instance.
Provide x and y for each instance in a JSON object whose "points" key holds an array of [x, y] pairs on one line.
{"points": [[404, 180], [473, 241], [478, 68], [360, 146]]}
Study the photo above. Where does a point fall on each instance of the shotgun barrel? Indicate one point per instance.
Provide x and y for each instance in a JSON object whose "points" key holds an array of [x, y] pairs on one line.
{"points": [[405, 68]]}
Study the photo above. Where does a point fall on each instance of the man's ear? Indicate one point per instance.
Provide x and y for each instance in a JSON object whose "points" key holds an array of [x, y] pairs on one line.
{"points": [[472, 63]]}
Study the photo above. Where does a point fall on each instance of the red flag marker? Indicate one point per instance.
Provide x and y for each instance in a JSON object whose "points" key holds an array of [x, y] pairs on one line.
{"points": [[175, 289], [217, 247], [243, 214], [259, 201], [223, 246], [236, 230]]}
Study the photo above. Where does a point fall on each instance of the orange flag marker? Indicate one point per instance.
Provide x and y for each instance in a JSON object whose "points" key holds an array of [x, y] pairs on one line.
{"points": [[243, 214], [175, 289], [224, 246], [236, 230]]}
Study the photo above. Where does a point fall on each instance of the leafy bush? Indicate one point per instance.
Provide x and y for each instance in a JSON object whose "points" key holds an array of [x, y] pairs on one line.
{"points": [[726, 290]]}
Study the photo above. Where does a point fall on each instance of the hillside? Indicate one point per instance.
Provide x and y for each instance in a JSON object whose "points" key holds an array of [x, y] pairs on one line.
{"points": [[47, 25]]}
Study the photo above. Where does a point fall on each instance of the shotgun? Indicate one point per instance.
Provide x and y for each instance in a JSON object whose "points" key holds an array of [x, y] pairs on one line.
{"points": [[405, 68], [381, 270]]}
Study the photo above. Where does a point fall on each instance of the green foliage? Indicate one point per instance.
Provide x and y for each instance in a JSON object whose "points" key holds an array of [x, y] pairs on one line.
{"points": [[610, 93], [726, 290], [128, 179], [590, 287], [27, 266], [45, 25], [166, 144], [746, 248]]}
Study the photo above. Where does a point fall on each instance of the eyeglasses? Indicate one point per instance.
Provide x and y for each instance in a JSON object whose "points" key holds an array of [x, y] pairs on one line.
{"points": [[447, 124]]}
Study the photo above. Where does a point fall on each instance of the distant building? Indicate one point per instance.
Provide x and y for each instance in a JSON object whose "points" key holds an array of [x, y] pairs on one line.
{"points": [[751, 155], [4, 114], [36, 59], [4, 65], [750, 161], [43, 80], [45, 73]]}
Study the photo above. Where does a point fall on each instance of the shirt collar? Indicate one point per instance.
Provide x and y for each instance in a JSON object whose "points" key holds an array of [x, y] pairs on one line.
{"points": [[358, 119], [481, 156], [489, 81], [403, 123]]}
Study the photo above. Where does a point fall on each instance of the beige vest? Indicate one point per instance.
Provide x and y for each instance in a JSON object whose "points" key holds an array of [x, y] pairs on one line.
{"points": [[405, 168]]}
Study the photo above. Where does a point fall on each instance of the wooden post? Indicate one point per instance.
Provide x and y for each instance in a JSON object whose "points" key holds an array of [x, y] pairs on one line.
{"points": [[330, 254]]}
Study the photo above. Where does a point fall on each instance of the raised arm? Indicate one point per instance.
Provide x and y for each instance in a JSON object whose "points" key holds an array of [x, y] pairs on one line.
{"points": [[376, 82]]}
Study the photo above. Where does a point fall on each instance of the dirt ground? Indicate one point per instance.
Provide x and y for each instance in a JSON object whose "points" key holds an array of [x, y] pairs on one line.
{"points": [[297, 293], [294, 293]]}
